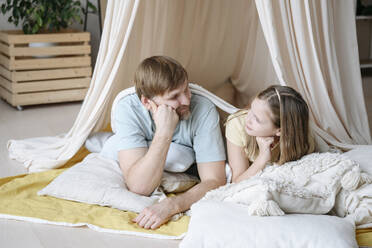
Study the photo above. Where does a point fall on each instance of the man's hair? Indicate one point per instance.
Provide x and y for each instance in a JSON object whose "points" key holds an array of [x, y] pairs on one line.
{"points": [[157, 75]]}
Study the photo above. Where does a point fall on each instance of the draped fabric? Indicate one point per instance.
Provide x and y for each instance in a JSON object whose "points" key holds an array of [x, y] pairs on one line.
{"points": [[232, 48], [314, 49]]}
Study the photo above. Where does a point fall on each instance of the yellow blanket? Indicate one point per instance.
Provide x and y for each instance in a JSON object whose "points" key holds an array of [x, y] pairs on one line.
{"points": [[19, 200]]}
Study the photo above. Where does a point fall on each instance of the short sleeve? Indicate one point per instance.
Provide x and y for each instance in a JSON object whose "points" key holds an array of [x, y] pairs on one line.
{"points": [[130, 128], [235, 132], [129, 133], [208, 143]]}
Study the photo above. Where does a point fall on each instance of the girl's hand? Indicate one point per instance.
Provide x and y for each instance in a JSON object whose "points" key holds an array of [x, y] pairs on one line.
{"points": [[264, 144]]}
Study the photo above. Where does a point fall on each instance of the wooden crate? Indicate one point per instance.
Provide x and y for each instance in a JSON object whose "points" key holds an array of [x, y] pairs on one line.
{"points": [[38, 75]]}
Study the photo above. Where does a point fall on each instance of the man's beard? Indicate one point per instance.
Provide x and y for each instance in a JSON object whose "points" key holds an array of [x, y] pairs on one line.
{"points": [[183, 112]]}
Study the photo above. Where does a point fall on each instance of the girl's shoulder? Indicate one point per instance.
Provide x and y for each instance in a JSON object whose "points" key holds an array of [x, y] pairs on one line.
{"points": [[237, 118], [235, 131]]}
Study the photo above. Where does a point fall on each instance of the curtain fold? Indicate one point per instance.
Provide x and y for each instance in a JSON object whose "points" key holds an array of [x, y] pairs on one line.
{"points": [[38, 154], [313, 48]]}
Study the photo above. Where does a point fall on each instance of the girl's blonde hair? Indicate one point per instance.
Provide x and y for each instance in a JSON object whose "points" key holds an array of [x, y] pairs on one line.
{"points": [[291, 115]]}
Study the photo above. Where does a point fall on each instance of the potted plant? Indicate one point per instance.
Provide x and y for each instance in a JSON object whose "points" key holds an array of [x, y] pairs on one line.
{"points": [[45, 15]]}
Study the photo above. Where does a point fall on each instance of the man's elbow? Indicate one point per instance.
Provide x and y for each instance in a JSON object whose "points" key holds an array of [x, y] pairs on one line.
{"points": [[139, 189]]}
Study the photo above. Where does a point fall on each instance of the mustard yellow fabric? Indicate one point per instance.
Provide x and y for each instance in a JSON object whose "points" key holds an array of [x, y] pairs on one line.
{"points": [[18, 197], [364, 237]]}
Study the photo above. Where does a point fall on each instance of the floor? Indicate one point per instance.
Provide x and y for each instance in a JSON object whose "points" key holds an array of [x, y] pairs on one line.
{"points": [[50, 120]]}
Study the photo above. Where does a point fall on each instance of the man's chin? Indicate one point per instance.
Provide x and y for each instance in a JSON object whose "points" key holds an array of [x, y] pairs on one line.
{"points": [[184, 115]]}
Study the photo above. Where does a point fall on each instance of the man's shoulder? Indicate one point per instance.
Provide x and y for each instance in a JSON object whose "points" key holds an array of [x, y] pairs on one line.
{"points": [[130, 101], [129, 105], [201, 102]]}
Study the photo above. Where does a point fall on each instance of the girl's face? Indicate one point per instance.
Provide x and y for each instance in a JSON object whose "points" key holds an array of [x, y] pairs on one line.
{"points": [[259, 120]]}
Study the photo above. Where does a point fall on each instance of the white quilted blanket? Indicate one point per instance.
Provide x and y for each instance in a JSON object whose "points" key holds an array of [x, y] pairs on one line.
{"points": [[318, 183]]}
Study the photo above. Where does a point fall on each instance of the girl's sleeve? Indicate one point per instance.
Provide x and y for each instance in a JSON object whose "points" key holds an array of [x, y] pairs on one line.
{"points": [[235, 132]]}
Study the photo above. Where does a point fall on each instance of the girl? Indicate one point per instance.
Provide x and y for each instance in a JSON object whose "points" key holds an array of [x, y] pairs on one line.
{"points": [[275, 129]]}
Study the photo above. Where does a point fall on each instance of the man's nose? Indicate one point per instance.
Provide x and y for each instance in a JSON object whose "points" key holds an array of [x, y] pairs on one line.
{"points": [[184, 100]]}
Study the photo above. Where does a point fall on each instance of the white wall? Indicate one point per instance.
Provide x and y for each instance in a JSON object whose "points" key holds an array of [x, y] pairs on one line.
{"points": [[92, 27]]}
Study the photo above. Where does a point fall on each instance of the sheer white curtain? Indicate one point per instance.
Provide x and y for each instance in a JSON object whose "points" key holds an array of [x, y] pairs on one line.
{"points": [[43, 153], [314, 49]]}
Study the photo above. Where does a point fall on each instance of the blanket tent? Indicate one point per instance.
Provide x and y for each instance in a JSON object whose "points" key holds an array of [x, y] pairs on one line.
{"points": [[232, 48]]}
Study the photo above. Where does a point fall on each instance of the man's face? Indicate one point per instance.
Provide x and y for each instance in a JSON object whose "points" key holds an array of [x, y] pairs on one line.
{"points": [[178, 99]]}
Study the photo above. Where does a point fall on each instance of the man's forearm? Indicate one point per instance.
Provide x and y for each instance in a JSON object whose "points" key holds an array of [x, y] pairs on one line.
{"points": [[145, 175], [184, 201]]}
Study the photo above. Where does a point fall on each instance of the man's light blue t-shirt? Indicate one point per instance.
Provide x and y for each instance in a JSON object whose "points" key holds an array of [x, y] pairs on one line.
{"points": [[136, 128]]}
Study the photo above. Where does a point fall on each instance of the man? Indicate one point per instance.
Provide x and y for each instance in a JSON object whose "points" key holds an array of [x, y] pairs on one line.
{"points": [[165, 111]]}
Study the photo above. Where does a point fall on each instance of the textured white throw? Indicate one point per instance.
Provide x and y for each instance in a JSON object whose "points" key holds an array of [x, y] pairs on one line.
{"points": [[313, 185]]}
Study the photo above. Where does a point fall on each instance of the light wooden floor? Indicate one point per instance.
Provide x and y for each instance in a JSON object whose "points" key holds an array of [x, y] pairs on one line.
{"points": [[50, 120]]}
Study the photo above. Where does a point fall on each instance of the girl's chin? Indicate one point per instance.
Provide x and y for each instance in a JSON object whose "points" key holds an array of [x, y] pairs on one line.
{"points": [[249, 131]]}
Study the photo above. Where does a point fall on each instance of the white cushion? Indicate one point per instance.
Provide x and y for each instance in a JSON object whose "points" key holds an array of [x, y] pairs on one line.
{"points": [[222, 224], [363, 156], [99, 180], [95, 141]]}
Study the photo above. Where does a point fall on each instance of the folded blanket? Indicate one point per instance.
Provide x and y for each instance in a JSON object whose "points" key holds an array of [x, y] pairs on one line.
{"points": [[315, 184]]}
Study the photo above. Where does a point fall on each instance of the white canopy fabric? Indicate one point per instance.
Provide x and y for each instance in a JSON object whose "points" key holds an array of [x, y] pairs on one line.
{"points": [[232, 48]]}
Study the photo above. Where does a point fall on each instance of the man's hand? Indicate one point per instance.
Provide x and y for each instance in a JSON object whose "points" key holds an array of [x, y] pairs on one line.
{"points": [[156, 215], [165, 118]]}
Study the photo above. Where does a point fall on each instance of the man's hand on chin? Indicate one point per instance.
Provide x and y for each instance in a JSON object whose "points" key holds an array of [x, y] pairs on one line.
{"points": [[156, 215]]}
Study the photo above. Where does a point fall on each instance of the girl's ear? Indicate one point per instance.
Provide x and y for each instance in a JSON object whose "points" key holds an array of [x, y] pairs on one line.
{"points": [[278, 133], [145, 101]]}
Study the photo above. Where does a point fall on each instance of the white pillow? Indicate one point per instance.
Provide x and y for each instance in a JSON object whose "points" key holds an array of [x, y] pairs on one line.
{"points": [[95, 141], [99, 180], [363, 156], [222, 224]]}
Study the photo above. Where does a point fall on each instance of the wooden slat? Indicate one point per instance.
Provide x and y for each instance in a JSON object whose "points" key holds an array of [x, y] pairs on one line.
{"points": [[6, 73], [4, 61], [5, 83], [4, 49], [49, 97], [45, 63], [19, 38], [4, 37], [76, 83], [5, 94], [54, 50], [38, 86], [51, 74]]}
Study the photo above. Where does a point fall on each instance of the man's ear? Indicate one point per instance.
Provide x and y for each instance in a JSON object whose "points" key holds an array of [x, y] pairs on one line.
{"points": [[145, 102]]}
